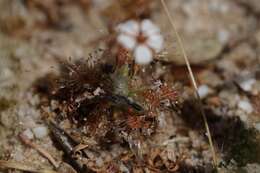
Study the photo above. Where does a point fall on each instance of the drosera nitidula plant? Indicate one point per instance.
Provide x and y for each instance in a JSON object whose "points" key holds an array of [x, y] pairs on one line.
{"points": [[143, 40], [108, 105]]}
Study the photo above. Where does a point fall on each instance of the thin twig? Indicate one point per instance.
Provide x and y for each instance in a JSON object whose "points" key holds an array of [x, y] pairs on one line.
{"points": [[41, 150], [180, 42], [22, 166]]}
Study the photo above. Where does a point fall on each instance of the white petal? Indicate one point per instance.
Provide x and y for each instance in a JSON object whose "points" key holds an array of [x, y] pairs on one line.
{"points": [[126, 41], [155, 42], [148, 28], [143, 55], [130, 27]]}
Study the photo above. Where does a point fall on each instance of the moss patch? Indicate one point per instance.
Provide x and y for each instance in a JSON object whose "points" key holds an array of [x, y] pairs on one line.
{"points": [[246, 149]]}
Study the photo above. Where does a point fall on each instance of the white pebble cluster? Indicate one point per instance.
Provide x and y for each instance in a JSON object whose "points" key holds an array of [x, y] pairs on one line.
{"points": [[39, 132]]}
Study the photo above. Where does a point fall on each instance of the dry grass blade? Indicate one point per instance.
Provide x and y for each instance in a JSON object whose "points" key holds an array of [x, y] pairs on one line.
{"points": [[21, 166], [41, 150], [180, 42]]}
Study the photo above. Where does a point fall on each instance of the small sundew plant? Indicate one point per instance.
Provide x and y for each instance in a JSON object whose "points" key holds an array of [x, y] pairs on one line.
{"points": [[104, 107], [142, 38], [99, 102]]}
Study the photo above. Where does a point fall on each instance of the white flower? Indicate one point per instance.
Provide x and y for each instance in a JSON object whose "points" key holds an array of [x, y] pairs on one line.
{"points": [[143, 38]]}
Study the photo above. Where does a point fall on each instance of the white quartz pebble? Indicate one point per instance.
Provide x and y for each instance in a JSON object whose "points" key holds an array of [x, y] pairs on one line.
{"points": [[204, 91], [245, 106], [40, 132]]}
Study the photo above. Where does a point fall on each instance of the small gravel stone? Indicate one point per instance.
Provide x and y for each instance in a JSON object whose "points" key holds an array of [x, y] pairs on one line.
{"points": [[245, 106], [223, 36], [90, 154], [40, 132], [98, 91], [257, 126], [18, 155], [123, 168], [247, 85], [28, 133], [242, 116], [27, 121], [204, 91], [99, 162]]}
